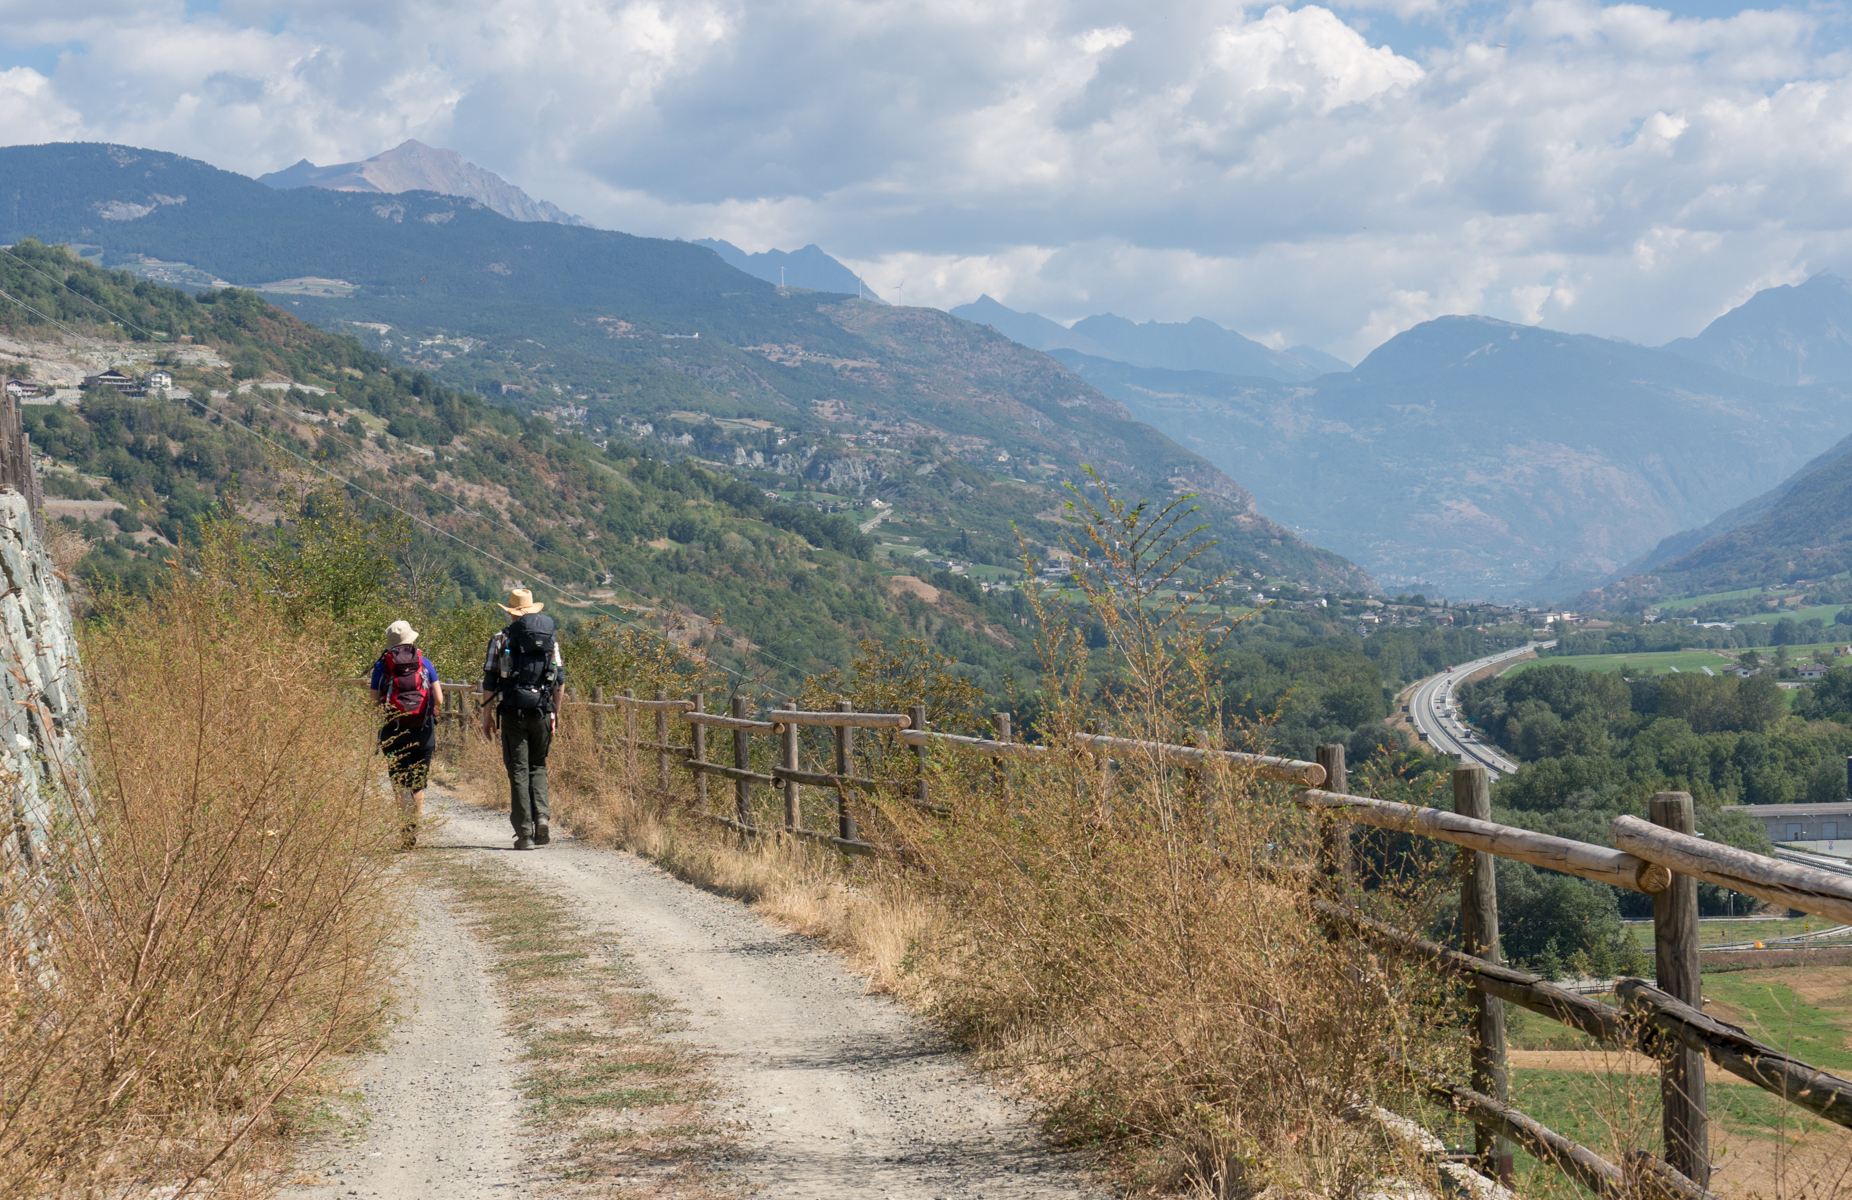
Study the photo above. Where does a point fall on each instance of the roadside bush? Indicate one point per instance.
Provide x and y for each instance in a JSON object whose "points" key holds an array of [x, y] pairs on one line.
{"points": [[219, 920]]}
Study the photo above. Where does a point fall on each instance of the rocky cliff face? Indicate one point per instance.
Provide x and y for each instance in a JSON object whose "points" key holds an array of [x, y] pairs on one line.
{"points": [[416, 167], [41, 705]]}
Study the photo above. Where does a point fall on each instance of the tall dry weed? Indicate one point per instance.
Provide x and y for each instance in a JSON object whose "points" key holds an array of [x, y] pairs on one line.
{"points": [[1136, 938], [218, 920]]}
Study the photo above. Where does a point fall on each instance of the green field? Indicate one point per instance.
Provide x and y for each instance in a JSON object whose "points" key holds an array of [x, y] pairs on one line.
{"points": [[1611, 1103], [1826, 612], [1714, 597], [1685, 660], [1717, 933]]}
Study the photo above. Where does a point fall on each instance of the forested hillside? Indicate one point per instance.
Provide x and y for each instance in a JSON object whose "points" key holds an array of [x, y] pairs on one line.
{"points": [[609, 526], [260, 398], [660, 344]]}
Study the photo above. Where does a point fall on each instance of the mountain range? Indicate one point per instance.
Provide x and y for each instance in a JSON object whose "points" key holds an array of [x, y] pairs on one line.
{"points": [[1196, 345], [1466, 455], [1491, 459], [413, 166], [610, 332]]}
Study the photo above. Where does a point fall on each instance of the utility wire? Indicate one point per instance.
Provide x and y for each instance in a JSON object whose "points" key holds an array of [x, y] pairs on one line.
{"points": [[234, 392]]}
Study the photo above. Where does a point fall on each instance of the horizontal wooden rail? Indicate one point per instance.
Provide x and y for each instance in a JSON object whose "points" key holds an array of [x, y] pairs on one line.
{"points": [[654, 705], [1521, 988], [1650, 1017], [734, 773], [1600, 863], [1645, 1177], [849, 720], [446, 684], [1738, 1053], [1822, 893], [996, 749], [841, 843], [718, 721], [1284, 770], [847, 845], [825, 779]]}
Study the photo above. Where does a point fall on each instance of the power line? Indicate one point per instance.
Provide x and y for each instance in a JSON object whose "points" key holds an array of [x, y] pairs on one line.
{"points": [[490, 556]]}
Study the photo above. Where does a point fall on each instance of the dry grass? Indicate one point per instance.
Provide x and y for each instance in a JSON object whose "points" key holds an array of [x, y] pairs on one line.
{"points": [[215, 924], [615, 1104]]}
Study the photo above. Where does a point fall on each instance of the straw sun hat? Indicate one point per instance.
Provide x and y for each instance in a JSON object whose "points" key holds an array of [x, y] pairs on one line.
{"points": [[521, 602]]}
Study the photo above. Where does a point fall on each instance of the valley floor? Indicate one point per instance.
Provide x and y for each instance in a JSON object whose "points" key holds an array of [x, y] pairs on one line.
{"points": [[666, 1042]]}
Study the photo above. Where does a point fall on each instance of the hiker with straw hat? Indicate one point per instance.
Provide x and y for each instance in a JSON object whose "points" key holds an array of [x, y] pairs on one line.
{"points": [[405, 685], [522, 679]]}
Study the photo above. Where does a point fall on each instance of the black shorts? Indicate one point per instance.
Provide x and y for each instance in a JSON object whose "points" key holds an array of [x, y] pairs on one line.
{"points": [[408, 753]]}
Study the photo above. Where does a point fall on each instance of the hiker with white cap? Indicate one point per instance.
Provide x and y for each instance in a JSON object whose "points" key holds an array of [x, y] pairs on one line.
{"points": [[405, 685], [522, 679]]}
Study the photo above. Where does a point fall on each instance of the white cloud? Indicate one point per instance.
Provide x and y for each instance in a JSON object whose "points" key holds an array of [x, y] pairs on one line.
{"points": [[30, 111], [1613, 169]]}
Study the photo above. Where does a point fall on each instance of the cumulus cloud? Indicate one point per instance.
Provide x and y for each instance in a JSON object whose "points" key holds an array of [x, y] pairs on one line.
{"points": [[1613, 169]]}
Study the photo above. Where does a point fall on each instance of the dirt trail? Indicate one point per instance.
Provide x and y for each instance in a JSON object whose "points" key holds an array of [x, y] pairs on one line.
{"points": [[831, 1092], [441, 1101]]}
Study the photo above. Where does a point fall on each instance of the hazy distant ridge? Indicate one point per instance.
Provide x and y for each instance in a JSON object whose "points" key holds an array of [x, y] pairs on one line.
{"points": [[1195, 345]]}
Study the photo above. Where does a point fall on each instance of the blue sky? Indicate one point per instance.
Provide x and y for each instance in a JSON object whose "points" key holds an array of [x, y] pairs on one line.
{"points": [[1329, 174]]}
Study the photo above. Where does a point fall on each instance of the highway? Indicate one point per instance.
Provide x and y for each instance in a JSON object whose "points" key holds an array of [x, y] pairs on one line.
{"points": [[1432, 708]]}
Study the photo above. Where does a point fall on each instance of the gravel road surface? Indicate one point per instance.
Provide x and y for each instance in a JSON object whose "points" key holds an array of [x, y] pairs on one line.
{"points": [[830, 1092], [441, 1101]]}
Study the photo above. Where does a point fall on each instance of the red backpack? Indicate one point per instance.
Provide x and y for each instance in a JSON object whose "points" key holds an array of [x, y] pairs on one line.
{"points": [[406, 690]]}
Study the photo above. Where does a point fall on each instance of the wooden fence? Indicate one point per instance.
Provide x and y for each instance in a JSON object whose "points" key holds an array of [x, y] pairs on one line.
{"points": [[1661, 857]]}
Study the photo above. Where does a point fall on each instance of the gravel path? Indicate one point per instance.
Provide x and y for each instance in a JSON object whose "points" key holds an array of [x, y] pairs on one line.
{"points": [[831, 1092], [441, 1100]]}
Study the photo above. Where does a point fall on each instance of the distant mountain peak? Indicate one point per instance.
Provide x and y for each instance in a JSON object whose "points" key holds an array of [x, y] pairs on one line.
{"points": [[807, 268], [413, 166], [1794, 333]]}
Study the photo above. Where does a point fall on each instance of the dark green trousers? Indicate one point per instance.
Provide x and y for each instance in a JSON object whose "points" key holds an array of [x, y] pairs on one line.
{"points": [[526, 738]]}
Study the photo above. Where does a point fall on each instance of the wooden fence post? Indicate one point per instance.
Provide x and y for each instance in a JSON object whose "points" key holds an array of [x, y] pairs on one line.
{"points": [[1675, 958], [630, 741], [793, 811], [845, 758], [1333, 835], [598, 727], [1472, 797], [916, 719], [662, 739], [1001, 720], [742, 760], [697, 744]]}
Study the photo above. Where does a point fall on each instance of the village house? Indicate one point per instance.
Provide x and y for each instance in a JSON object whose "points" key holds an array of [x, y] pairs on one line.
{"points": [[112, 378]]}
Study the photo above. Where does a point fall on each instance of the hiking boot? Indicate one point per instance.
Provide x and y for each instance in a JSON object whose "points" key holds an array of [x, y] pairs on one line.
{"points": [[542, 835], [524, 843]]}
